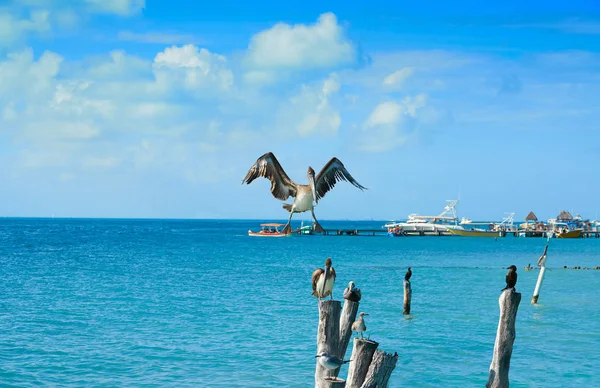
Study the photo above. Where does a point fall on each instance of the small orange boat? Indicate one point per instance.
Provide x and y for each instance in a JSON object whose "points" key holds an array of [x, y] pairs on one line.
{"points": [[270, 230]]}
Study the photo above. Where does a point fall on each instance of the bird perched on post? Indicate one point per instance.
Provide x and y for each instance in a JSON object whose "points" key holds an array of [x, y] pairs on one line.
{"points": [[359, 325], [408, 275], [511, 278], [330, 361], [323, 280], [352, 293], [542, 260]]}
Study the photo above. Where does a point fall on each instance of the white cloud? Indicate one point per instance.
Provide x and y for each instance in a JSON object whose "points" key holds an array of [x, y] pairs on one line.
{"points": [[191, 68], [101, 162], [119, 7], [13, 28], [158, 37], [311, 111], [397, 78], [25, 79], [391, 123], [388, 112], [320, 45]]}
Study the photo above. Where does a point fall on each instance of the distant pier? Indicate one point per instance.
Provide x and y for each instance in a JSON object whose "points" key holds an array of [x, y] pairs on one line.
{"points": [[413, 233]]}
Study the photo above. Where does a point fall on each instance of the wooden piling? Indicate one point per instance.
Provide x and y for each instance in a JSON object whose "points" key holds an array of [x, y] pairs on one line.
{"points": [[505, 337], [362, 355], [380, 370], [337, 383], [538, 285], [346, 320], [407, 297], [327, 336]]}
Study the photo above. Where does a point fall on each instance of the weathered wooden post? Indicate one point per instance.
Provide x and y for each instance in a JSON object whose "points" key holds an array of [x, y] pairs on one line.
{"points": [[327, 336], [380, 370], [337, 383], [407, 297], [505, 337], [542, 264], [362, 354], [348, 317]]}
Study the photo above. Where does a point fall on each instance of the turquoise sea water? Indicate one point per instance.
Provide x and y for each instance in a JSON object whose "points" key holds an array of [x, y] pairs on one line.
{"points": [[199, 303]]}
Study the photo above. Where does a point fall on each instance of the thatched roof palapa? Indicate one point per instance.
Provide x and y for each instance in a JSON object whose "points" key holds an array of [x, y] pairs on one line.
{"points": [[564, 216], [531, 217]]}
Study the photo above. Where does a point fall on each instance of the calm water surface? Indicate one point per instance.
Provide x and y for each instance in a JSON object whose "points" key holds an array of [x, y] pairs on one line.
{"points": [[199, 303]]}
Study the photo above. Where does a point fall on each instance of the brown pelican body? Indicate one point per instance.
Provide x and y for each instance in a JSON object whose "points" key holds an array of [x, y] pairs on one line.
{"points": [[352, 293], [511, 278], [359, 325], [282, 187], [323, 281]]}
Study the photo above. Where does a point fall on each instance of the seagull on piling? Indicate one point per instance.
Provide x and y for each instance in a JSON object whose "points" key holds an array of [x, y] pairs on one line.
{"points": [[352, 293], [359, 325], [323, 281], [330, 361], [511, 278]]}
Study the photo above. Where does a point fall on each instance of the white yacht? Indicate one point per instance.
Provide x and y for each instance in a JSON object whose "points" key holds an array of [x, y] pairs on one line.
{"points": [[417, 223]]}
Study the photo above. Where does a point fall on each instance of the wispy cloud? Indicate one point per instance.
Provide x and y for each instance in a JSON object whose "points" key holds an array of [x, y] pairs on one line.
{"points": [[569, 26], [158, 37]]}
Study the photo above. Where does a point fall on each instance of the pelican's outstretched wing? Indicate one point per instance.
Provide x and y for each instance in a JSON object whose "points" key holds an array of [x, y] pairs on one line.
{"points": [[315, 278], [268, 167], [333, 172]]}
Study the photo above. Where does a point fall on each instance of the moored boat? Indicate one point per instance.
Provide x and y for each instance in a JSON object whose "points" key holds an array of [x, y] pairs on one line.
{"points": [[270, 230], [474, 232], [575, 233]]}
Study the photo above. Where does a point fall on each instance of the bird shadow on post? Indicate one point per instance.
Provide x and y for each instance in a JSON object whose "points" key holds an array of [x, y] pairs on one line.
{"points": [[505, 337], [348, 317], [407, 297]]}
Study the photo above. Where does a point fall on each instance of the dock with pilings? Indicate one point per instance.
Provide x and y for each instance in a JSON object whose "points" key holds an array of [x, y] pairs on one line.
{"points": [[377, 232], [412, 233]]}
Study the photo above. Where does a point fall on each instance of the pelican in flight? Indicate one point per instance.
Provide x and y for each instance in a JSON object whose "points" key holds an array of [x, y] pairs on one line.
{"points": [[323, 280], [282, 187]]}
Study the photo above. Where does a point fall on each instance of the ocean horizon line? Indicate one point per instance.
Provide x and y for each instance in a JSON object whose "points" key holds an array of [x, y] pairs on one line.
{"points": [[215, 219]]}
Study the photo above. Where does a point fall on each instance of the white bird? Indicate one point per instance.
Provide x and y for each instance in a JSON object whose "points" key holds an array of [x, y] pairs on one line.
{"points": [[323, 280], [330, 361], [359, 325], [282, 187], [352, 293]]}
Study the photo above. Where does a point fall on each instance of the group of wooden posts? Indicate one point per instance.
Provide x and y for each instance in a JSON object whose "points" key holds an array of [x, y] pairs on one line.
{"points": [[371, 367]]}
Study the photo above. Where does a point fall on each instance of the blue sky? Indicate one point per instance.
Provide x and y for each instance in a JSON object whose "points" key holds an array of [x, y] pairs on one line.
{"points": [[133, 108]]}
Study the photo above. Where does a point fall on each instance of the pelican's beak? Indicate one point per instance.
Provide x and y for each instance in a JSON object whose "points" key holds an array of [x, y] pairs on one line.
{"points": [[317, 356], [325, 280], [311, 182], [365, 314]]}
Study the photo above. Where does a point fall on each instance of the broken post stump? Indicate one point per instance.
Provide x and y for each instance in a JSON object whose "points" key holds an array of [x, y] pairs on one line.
{"points": [[380, 370], [337, 383], [362, 355], [327, 336], [505, 337], [407, 297]]}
